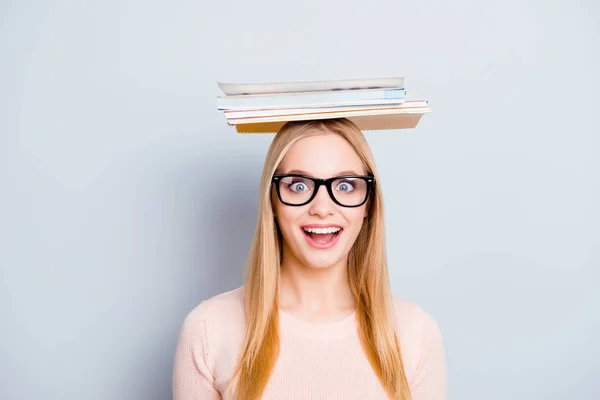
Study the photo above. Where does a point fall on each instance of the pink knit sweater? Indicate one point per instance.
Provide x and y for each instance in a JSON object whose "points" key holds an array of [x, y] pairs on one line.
{"points": [[317, 361]]}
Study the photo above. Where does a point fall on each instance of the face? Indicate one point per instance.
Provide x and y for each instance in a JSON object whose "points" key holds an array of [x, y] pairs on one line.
{"points": [[309, 231]]}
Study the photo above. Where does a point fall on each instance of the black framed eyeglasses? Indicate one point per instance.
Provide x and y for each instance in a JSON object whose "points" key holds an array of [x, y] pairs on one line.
{"points": [[346, 191]]}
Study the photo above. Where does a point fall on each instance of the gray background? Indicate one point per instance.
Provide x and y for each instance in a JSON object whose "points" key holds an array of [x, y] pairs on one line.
{"points": [[126, 199]]}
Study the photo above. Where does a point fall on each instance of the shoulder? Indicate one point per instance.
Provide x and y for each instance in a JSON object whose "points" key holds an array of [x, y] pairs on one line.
{"points": [[410, 317], [216, 323], [209, 339], [218, 312], [419, 333]]}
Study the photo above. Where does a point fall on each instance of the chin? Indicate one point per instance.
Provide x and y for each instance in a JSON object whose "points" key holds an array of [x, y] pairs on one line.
{"points": [[321, 261], [320, 264]]}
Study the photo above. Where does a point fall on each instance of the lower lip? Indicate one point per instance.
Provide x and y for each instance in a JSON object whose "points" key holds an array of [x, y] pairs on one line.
{"points": [[322, 246]]}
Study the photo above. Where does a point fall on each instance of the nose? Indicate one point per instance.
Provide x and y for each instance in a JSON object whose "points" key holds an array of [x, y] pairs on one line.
{"points": [[322, 205]]}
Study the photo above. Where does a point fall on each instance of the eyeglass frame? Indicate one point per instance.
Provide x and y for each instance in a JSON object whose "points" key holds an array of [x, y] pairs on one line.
{"points": [[369, 179]]}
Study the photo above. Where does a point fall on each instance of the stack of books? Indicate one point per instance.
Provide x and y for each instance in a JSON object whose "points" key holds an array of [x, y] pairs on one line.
{"points": [[372, 104]]}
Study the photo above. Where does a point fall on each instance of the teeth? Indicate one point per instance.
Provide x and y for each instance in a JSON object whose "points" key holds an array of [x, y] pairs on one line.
{"points": [[322, 230]]}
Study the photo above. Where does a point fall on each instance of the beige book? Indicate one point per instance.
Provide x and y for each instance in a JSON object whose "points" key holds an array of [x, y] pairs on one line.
{"points": [[364, 123]]}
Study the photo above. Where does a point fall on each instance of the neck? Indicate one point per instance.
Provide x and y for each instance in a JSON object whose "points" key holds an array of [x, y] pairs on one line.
{"points": [[316, 293]]}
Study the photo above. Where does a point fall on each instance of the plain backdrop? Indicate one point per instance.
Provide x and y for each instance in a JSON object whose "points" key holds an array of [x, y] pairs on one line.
{"points": [[125, 199]]}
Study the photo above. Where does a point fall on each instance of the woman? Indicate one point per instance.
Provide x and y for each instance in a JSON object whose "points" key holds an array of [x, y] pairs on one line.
{"points": [[315, 318]]}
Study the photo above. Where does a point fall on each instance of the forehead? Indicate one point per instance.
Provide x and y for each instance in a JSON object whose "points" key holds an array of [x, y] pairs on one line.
{"points": [[322, 156]]}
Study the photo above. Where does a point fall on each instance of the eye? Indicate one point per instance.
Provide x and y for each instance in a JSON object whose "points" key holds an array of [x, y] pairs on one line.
{"points": [[345, 186], [298, 187]]}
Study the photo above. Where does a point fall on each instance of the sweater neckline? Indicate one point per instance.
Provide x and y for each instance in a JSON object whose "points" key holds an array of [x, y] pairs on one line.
{"points": [[318, 330]]}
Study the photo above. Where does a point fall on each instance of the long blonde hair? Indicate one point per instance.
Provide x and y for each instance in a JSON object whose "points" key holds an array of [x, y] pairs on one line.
{"points": [[367, 271]]}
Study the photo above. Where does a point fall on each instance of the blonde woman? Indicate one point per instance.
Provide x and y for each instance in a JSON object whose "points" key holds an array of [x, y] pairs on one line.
{"points": [[315, 318]]}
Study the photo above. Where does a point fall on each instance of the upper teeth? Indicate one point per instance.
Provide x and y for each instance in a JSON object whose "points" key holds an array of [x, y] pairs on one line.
{"points": [[322, 230]]}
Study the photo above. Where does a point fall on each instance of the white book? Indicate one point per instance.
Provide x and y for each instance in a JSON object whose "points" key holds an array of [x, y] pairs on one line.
{"points": [[233, 89], [313, 99], [232, 114], [329, 115]]}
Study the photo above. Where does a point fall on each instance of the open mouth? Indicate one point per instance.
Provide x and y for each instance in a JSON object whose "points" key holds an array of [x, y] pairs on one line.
{"points": [[322, 236]]}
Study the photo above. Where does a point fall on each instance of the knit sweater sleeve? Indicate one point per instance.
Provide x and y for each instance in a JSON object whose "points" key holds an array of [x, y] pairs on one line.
{"points": [[430, 379], [193, 371]]}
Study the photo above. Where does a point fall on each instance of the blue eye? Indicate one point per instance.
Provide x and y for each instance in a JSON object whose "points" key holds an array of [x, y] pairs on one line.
{"points": [[298, 187], [345, 186]]}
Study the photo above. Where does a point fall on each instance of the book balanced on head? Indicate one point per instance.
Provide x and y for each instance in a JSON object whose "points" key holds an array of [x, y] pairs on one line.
{"points": [[372, 104]]}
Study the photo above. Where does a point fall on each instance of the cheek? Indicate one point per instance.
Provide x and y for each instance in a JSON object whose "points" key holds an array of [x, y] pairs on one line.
{"points": [[287, 216], [356, 216]]}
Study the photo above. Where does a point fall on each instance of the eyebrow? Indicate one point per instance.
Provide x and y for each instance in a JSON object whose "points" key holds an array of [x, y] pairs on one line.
{"points": [[341, 173]]}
